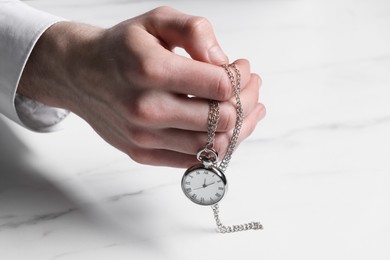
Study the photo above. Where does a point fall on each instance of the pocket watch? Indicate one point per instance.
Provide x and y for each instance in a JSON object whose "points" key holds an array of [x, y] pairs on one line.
{"points": [[204, 184]]}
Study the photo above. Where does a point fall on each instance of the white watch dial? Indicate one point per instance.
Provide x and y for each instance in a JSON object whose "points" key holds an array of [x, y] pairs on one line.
{"points": [[204, 186]]}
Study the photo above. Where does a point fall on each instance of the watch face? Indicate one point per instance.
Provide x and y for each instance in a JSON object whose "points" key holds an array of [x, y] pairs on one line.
{"points": [[204, 186]]}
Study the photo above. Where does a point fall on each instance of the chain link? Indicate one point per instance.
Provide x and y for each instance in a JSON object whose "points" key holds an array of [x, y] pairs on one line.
{"points": [[235, 81], [236, 85], [235, 228], [212, 123]]}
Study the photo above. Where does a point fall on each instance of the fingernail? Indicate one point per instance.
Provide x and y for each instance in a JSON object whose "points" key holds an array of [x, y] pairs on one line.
{"points": [[217, 56]]}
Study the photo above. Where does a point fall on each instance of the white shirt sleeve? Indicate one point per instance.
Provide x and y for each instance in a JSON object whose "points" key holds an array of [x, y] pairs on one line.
{"points": [[20, 28]]}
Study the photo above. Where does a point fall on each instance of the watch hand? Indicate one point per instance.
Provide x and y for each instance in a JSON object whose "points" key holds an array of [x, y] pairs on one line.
{"points": [[204, 186], [201, 187]]}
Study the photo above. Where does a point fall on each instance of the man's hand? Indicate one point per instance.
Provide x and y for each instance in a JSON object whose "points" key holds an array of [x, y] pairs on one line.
{"points": [[137, 94]]}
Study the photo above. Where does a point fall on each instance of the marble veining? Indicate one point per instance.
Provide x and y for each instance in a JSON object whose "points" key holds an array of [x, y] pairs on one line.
{"points": [[35, 220]]}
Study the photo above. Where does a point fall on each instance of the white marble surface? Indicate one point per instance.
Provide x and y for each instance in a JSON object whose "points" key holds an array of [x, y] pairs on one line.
{"points": [[318, 164]]}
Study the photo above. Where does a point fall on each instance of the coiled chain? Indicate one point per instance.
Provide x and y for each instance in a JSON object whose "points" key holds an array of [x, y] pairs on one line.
{"points": [[235, 228]]}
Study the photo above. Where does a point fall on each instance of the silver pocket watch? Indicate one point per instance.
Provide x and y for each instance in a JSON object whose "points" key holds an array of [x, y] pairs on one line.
{"points": [[205, 184]]}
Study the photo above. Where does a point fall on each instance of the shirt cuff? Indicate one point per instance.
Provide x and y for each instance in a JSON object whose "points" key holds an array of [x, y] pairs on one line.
{"points": [[20, 28], [38, 116]]}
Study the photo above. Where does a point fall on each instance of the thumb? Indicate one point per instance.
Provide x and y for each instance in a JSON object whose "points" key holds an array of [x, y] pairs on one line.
{"points": [[193, 33]]}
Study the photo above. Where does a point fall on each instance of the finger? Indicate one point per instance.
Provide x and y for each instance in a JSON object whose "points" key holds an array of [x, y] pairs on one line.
{"points": [[251, 121], [174, 155], [163, 158], [199, 79], [136, 147], [195, 113], [189, 142], [182, 112], [244, 69], [181, 141], [249, 98], [222, 140], [249, 95], [193, 33]]}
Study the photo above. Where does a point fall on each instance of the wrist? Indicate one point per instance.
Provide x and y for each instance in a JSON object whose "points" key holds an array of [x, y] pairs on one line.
{"points": [[53, 72]]}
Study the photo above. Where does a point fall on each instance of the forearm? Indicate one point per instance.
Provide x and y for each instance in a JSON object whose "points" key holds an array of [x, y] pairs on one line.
{"points": [[55, 69]]}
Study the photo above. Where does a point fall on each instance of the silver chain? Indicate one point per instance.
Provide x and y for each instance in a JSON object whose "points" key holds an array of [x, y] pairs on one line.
{"points": [[235, 228], [213, 119], [236, 85], [212, 123]]}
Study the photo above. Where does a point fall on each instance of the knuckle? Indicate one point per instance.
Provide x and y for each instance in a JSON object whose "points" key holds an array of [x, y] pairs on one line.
{"points": [[161, 10], [197, 25], [221, 144], [139, 112], [259, 79], [144, 111], [262, 110], [222, 89], [196, 141], [250, 127], [141, 138], [227, 118], [243, 65], [149, 70], [255, 93], [246, 63], [139, 156]]}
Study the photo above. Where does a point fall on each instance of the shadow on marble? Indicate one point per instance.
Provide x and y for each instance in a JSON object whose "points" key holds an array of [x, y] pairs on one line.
{"points": [[32, 200], [27, 197]]}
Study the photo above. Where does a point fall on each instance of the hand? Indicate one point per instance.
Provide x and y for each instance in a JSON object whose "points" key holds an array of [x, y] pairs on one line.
{"points": [[130, 86]]}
